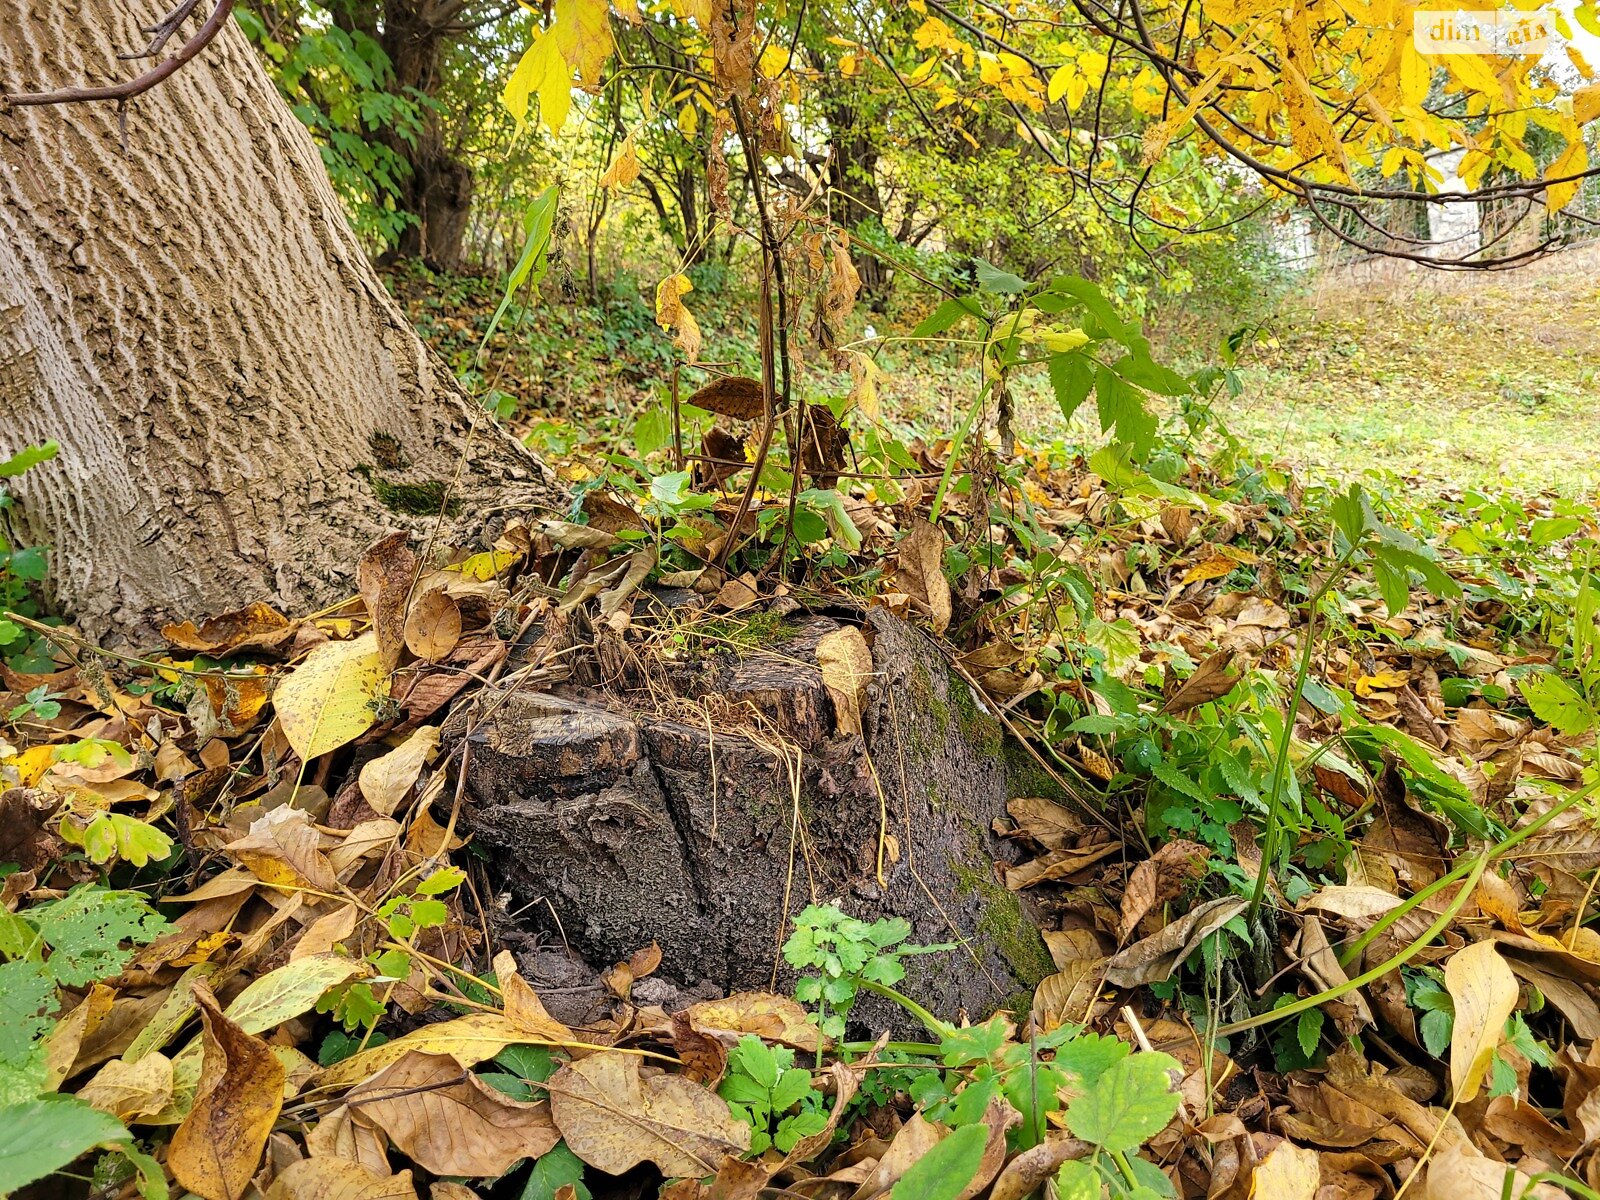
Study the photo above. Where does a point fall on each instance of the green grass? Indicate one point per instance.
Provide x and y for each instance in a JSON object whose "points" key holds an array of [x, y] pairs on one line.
{"points": [[1484, 380]]}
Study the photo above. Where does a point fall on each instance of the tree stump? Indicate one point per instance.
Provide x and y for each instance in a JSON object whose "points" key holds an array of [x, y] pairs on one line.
{"points": [[705, 824]]}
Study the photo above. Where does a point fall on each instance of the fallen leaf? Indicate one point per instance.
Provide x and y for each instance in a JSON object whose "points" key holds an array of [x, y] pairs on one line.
{"points": [[131, 1090], [523, 1008], [1289, 1172], [448, 1121], [385, 576], [255, 627], [337, 1179], [1155, 958], [1026, 1172], [330, 698], [1160, 878], [614, 1116], [846, 664], [214, 1152], [1485, 993], [433, 626], [387, 780], [1211, 680], [921, 574], [468, 1040]]}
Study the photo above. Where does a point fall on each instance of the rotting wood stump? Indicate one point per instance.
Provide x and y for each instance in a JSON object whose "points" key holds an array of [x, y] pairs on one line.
{"points": [[704, 823]]}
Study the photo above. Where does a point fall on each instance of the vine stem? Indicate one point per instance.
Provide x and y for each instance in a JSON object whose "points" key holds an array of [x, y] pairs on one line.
{"points": [[1479, 863], [1280, 766]]}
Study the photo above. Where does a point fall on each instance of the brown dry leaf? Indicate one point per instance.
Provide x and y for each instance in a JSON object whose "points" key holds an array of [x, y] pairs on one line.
{"points": [[1289, 1172], [921, 574], [734, 396], [448, 1120], [738, 1180], [1155, 958], [614, 1116], [736, 594], [522, 1005], [1485, 993], [337, 1179], [386, 781], [433, 626], [385, 577], [1058, 864], [624, 169], [999, 1117], [846, 1081], [1049, 824], [1211, 680], [1026, 1173], [1459, 1172], [846, 664], [131, 1090], [215, 1151], [914, 1139], [705, 1059], [258, 627], [1160, 878]]}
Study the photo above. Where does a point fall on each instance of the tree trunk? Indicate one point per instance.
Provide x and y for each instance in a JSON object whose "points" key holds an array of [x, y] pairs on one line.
{"points": [[241, 406], [438, 190]]}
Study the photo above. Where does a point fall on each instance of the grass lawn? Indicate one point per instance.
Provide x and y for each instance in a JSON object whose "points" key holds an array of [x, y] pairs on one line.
{"points": [[1460, 380]]}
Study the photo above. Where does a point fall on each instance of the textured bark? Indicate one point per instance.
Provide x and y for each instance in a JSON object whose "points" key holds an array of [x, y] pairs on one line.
{"points": [[241, 406], [615, 822]]}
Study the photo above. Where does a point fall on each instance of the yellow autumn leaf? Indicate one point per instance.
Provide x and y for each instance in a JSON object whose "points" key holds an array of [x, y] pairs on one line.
{"points": [[1485, 993], [583, 37], [671, 313], [542, 72], [624, 169], [1573, 161], [331, 698]]}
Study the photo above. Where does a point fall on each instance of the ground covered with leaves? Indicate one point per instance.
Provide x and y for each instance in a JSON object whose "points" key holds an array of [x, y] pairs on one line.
{"points": [[1313, 849]]}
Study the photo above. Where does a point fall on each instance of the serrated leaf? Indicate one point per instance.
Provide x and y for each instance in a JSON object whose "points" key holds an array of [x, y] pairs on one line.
{"points": [[46, 1134], [330, 699], [1555, 702], [29, 456], [1129, 1104]]}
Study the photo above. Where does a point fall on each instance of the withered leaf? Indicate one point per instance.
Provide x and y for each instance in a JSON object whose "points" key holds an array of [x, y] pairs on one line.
{"points": [[846, 664], [615, 1116], [385, 577], [736, 396], [256, 627], [1156, 957], [448, 1121], [215, 1151], [338, 1179], [1211, 680]]}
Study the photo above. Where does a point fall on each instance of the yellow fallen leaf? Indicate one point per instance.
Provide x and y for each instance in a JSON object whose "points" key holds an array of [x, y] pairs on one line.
{"points": [[338, 1179], [1290, 1172], [846, 665], [331, 698], [387, 780], [1485, 993]]}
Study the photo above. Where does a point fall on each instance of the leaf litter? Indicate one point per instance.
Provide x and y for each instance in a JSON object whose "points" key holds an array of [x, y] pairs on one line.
{"points": [[310, 1012]]}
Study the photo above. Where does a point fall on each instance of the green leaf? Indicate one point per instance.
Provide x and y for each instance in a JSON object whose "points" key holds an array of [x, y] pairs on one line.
{"points": [[552, 1171], [943, 318], [992, 279], [944, 1172], [86, 928], [1436, 1027], [1123, 409], [46, 1134], [1309, 1031], [1071, 375], [1557, 704], [755, 1059], [1077, 1180], [1128, 1105], [27, 996], [1094, 300], [537, 220], [30, 456], [1351, 513]]}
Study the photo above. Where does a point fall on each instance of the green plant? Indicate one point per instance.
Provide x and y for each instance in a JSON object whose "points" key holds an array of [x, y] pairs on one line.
{"points": [[840, 956], [22, 568], [772, 1095]]}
